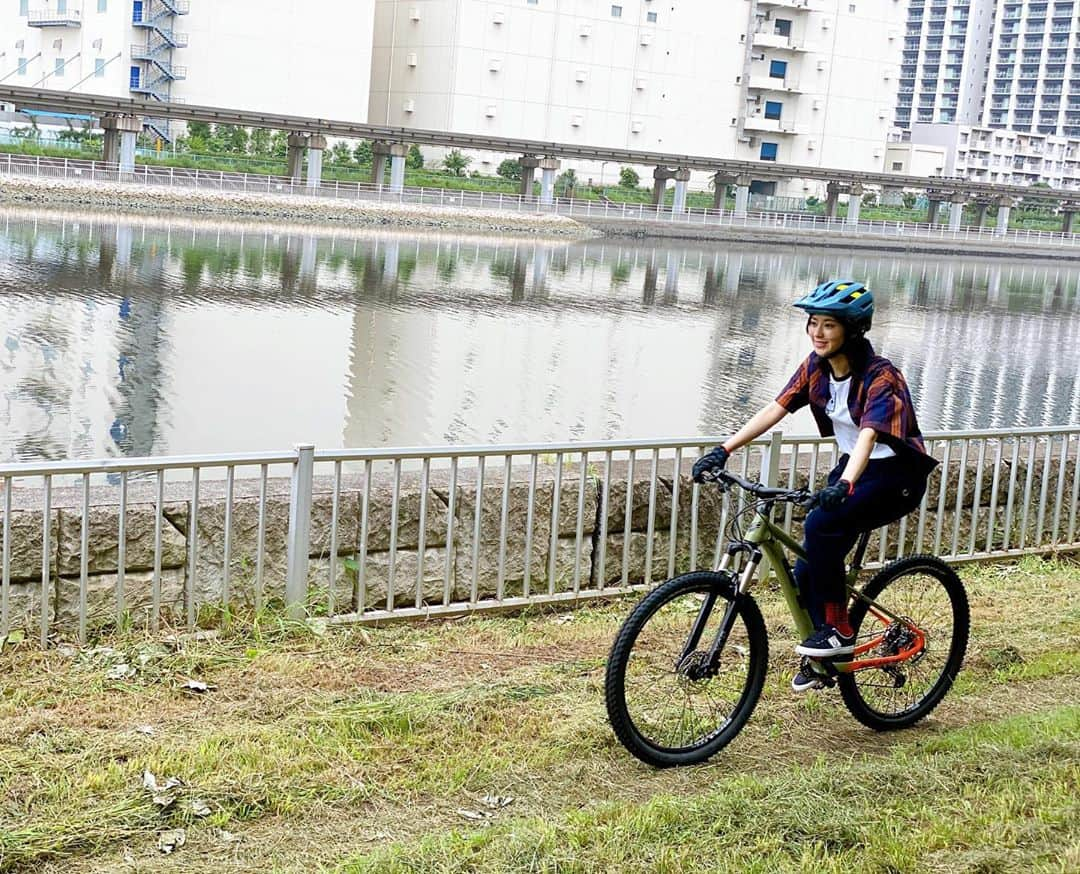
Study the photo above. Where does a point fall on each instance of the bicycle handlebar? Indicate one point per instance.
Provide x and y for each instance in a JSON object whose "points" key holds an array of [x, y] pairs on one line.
{"points": [[802, 497]]}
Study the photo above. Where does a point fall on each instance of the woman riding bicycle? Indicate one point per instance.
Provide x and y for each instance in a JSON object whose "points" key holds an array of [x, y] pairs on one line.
{"points": [[862, 400]]}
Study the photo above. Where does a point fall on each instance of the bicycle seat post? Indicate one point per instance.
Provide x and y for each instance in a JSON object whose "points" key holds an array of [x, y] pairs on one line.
{"points": [[860, 552]]}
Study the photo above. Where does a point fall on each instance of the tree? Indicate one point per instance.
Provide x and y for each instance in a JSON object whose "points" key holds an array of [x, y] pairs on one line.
{"points": [[279, 144], [415, 159], [510, 169], [259, 142], [909, 199], [341, 154], [628, 178], [565, 183], [456, 162], [362, 153]]}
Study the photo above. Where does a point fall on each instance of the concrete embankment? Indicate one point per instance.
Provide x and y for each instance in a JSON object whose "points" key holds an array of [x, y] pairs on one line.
{"points": [[283, 207], [834, 239]]}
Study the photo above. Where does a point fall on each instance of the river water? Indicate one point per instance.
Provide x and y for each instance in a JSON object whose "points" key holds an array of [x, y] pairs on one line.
{"points": [[137, 336]]}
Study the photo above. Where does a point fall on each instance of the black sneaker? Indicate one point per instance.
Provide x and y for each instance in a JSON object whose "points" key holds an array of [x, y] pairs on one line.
{"points": [[826, 642], [806, 680]]}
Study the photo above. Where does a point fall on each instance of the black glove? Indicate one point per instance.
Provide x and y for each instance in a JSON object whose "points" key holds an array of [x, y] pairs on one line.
{"points": [[715, 459], [831, 497]]}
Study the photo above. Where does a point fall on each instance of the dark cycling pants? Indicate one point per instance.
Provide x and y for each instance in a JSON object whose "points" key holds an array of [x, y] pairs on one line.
{"points": [[888, 490]]}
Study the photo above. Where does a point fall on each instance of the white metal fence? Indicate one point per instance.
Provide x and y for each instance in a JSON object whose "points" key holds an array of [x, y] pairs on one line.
{"points": [[374, 534], [251, 183]]}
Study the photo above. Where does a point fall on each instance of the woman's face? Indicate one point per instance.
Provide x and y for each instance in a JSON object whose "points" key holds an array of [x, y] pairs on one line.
{"points": [[827, 335]]}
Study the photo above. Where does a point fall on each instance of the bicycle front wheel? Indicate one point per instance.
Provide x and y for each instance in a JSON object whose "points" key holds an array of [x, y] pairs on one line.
{"points": [[666, 702], [923, 592]]}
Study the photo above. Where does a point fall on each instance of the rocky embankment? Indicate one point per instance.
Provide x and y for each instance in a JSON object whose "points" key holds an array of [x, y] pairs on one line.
{"points": [[281, 207]]}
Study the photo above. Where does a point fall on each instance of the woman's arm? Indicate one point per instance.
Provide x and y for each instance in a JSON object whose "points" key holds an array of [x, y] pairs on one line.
{"points": [[860, 455], [758, 424]]}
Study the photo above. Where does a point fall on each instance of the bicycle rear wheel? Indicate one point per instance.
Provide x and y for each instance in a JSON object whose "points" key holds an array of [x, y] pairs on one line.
{"points": [[666, 704], [925, 592]]}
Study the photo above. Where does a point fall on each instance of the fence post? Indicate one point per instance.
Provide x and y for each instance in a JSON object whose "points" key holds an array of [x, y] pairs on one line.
{"points": [[299, 543], [770, 474]]}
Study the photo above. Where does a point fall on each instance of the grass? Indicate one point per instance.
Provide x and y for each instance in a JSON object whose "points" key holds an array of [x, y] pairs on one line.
{"points": [[356, 750]]}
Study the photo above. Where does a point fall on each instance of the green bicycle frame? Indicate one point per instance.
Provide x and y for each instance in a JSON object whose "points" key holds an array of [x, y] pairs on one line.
{"points": [[772, 540]]}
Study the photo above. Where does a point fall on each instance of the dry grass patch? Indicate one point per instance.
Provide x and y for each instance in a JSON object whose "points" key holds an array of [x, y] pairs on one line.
{"points": [[314, 739]]}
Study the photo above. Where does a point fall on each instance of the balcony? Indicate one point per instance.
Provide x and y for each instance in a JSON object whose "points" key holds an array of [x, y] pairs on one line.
{"points": [[770, 83], [785, 4], [772, 40], [758, 122], [66, 15]]}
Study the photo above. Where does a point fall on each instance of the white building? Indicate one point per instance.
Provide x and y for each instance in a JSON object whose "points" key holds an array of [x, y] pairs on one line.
{"points": [[1035, 68], [292, 58], [985, 154], [796, 81], [1005, 64], [943, 67]]}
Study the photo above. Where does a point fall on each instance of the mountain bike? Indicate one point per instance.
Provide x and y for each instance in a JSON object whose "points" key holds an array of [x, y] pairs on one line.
{"points": [[688, 665]]}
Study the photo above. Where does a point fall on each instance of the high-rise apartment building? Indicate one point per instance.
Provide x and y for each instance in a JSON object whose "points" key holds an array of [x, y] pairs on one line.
{"points": [[292, 58], [807, 82], [942, 64], [1035, 68], [1005, 64]]}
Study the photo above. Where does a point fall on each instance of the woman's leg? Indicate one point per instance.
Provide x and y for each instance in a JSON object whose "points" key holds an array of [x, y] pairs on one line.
{"points": [[885, 493]]}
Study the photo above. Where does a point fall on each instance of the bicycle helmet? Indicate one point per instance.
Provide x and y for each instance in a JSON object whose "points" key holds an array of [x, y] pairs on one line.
{"points": [[846, 300]]}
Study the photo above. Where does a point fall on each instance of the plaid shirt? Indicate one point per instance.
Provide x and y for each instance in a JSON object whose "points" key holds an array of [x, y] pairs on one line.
{"points": [[878, 399]]}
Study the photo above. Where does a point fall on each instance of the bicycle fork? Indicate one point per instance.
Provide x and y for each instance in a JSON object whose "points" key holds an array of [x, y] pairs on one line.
{"points": [[738, 585]]}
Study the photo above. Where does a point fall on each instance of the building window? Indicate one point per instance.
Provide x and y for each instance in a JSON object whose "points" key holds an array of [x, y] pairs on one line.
{"points": [[532, 2], [768, 151], [616, 12], [851, 7], [61, 6], [102, 5], [99, 67], [772, 108], [777, 69], [24, 7], [58, 70], [23, 64], [782, 27], [650, 17], [897, 166]]}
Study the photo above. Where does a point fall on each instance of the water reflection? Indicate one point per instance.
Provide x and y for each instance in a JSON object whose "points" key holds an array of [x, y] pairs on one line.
{"points": [[137, 336]]}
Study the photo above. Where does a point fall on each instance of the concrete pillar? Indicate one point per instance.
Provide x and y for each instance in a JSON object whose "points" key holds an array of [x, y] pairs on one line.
{"points": [[1067, 216], [742, 195], [316, 146], [297, 146], [660, 177], [932, 211], [682, 178], [980, 214], [380, 151], [121, 131], [529, 163], [548, 166], [1004, 205], [854, 204], [720, 183], [956, 212], [832, 199], [398, 152]]}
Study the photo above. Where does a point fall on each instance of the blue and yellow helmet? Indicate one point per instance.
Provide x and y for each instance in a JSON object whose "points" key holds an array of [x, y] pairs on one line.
{"points": [[846, 300]]}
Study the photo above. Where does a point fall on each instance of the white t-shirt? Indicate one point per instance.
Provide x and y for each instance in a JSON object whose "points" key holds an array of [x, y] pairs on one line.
{"points": [[843, 425]]}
